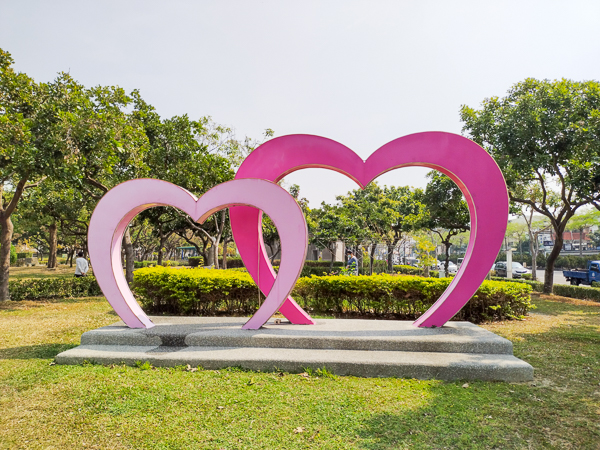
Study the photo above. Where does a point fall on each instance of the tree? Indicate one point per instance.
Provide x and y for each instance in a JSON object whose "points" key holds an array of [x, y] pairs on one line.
{"points": [[447, 211], [410, 214], [518, 230], [328, 225], [544, 133], [424, 247], [64, 132], [374, 215], [583, 221], [187, 153], [535, 226]]}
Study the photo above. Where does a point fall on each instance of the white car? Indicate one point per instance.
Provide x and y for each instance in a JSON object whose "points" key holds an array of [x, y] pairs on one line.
{"points": [[452, 268]]}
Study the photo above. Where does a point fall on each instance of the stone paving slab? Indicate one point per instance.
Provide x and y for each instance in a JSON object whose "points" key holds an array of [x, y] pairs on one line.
{"points": [[343, 334], [368, 348]]}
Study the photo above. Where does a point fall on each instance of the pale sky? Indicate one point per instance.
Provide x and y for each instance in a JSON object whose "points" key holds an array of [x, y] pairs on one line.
{"points": [[359, 72]]}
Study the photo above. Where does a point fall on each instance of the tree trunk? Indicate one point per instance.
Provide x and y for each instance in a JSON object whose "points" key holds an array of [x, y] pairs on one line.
{"points": [[209, 256], [6, 232], [52, 244], [549, 273], [70, 257], [359, 257], [390, 257], [225, 242], [581, 242], [372, 255], [447, 244], [215, 248], [129, 257], [332, 250], [161, 243]]}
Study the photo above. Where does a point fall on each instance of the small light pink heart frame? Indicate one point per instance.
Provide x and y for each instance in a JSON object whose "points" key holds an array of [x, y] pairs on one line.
{"points": [[122, 203], [466, 163]]}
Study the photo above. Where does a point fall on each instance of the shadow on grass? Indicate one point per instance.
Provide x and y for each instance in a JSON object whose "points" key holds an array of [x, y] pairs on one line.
{"points": [[40, 351]]}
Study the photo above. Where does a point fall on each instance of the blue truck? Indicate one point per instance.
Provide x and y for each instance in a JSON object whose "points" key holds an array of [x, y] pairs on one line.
{"points": [[589, 276]]}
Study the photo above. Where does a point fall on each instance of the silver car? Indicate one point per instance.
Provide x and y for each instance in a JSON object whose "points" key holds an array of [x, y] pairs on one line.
{"points": [[517, 269]]}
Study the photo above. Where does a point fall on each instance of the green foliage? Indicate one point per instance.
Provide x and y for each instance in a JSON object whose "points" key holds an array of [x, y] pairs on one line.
{"points": [[49, 288], [323, 264], [564, 290], [211, 292], [424, 248], [195, 261], [544, 137], [24, 255], [13, 254], [195, 291], [235, 262], [165, 263], [407, 270], [579, 292], [407, 297]]}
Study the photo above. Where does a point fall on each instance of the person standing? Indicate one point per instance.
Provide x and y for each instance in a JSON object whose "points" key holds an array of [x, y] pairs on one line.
{"points": [[352, 262], [81, 265]]}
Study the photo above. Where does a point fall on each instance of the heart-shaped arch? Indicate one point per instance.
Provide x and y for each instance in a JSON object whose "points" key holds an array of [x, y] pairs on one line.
{"points": [[122, 203], [466, 163]]}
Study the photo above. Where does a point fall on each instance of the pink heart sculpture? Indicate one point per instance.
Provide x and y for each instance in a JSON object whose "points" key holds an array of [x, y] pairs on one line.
{"points": [[466, 163], [122, 203]]}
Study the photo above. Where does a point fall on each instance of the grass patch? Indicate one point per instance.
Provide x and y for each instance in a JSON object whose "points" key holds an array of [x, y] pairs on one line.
{"points": [[94, 406]]}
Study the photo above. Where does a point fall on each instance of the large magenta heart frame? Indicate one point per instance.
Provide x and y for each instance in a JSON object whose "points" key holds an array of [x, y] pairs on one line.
{"points": [[466, 163]]}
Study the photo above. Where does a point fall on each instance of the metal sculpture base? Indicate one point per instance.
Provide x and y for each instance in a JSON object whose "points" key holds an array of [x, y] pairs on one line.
{"points": [[365, 348]]}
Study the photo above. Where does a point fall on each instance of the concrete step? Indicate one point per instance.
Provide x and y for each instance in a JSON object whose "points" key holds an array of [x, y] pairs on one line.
{"points": [[368, 348], [341, 334], [362, 363]]}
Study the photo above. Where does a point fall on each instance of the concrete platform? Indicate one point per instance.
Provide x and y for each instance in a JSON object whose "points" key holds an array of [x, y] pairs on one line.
{"points": [[369, 348]]}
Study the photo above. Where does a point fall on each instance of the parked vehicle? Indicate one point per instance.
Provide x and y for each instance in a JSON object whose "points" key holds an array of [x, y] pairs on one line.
{"points": [[452, 268], [577, 277], [517, 269]]}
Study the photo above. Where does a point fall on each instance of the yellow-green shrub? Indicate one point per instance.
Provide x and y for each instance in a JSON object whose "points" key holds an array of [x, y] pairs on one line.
{"points": [[408, 296], [195, 291], [210, 292]]}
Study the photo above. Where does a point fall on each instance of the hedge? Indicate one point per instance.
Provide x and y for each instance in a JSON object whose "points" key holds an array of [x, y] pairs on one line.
{"points": [[407, 297], [564, 290], [212, 292], [195, 291], [48, 288], [408, 270]]}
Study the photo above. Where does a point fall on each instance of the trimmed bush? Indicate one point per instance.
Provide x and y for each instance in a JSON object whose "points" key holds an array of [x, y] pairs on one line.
{"points": [[564, 290], [49, 288], [579, 292], [213, 292], [195, 261], [232, 262], [165, 263], [195, 291], [408, 270], [407, 297], [324, 264], [24, 255]]}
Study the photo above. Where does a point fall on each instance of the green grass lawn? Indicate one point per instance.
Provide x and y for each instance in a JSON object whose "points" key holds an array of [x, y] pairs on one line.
{"points": [[50, 406]]}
